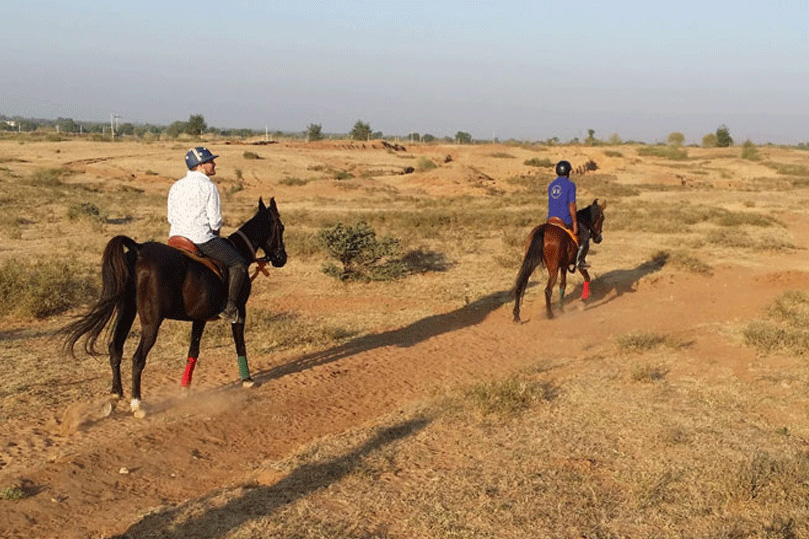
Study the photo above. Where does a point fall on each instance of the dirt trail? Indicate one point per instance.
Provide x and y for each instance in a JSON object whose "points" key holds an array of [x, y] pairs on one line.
{"points": [[213, 439]]}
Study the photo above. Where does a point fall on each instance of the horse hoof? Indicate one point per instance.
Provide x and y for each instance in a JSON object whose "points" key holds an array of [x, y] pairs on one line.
{"points": [[137, 408], [107, 408], [185, 392], [249, 383]]}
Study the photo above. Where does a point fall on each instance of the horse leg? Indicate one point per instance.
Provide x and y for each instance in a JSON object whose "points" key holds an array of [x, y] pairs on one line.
{"points": [[147, 340], [123, 324], [585, 287], [241, 353], [197, 328], [562, 286], [529, 264], [552, 273]]}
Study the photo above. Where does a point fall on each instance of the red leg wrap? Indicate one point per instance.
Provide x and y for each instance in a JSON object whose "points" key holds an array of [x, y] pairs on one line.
{"points": [[585, 290], [189, 371]]}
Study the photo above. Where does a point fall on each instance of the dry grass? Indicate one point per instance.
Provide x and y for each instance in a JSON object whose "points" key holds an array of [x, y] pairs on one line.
{"points": [[785, 327], [623, 446], [656, 462]]}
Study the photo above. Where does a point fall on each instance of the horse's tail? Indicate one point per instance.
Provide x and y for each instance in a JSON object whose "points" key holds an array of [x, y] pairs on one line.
{"points": [[118, 284], [532, 258]]}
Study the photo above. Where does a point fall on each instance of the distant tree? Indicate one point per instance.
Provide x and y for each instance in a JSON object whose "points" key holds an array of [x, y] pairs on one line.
{"points": [[176, 128], [67, 125], [614, 140], [463, 137], [428, 138], [709, 141], [314, 132], [126, 129], [196, 125], [591, 139], [413, 137], [750, 151], [723, 138], [676, 139], [360, 131], [376, 135]]}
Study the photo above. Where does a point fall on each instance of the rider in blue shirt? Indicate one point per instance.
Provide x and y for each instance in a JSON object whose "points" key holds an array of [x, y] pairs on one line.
{"points": [[562, 205]]}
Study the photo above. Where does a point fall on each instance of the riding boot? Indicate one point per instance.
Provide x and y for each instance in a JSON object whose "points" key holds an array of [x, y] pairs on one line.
{"points": [[237, 275], [580, 263]]}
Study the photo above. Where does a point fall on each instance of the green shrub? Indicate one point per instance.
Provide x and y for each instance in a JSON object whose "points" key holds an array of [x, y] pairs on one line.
{"points": [[667, 152], [251, 155], [363, 257], [750, 151], [537, 162], [785, 327], [509, 396], [293, 181], [12, 493], [342, 175], [788, 169], [425, 164], [84, 210], [48, 177], [42, 290]]}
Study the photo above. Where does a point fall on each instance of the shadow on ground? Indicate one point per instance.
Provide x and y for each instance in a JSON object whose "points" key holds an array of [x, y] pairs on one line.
{"points": [[616, 283], [262, 501], [426, 328]]}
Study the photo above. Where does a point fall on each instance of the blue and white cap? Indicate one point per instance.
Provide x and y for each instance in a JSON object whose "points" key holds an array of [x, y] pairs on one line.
{"points": [[197, 156]]}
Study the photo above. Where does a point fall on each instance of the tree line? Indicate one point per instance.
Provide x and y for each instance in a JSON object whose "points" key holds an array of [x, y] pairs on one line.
{"points": [[196, 126]]}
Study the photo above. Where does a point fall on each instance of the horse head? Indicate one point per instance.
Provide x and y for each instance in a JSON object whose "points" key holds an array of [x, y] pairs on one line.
{"points": [[272, 237], [597, 219]]}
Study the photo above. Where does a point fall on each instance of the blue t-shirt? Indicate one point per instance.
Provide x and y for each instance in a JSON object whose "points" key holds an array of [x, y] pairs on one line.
{"points": [[561, 192]]}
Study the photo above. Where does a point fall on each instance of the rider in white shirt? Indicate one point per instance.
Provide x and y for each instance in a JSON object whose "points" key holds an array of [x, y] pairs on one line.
{"points": [[194, 211]]}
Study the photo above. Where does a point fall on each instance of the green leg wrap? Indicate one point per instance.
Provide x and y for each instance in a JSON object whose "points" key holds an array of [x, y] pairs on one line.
{"points": [[561, 296], [244, 372]]}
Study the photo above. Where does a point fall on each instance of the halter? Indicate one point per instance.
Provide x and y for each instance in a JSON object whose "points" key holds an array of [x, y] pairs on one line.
{"points": [[260, 262]]}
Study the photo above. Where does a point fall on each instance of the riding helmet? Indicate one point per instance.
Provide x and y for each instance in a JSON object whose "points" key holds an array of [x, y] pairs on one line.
{"points": [[563, 168], [197, 156]]}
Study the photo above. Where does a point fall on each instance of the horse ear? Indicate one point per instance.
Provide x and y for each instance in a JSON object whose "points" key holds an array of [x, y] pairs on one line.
{"points": [[272, 204], [261, 206], [603, 204]]}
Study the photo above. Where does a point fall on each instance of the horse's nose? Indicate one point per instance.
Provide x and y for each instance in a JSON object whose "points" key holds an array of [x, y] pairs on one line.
{"points": [[279, 259], [597, 239]]}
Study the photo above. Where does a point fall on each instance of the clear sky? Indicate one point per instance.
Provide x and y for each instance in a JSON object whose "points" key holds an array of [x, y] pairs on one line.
{"points": [[527, 70]]}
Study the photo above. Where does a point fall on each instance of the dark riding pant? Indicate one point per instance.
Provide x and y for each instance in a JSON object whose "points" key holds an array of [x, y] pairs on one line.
{"points": [[223, 250]]}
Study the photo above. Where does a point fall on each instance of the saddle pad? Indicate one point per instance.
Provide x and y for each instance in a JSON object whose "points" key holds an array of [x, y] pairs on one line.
{"points": [[560, 224], [189, 249]]}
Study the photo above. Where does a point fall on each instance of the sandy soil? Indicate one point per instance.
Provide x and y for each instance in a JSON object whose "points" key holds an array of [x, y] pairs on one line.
{"points": [[91, 475]]}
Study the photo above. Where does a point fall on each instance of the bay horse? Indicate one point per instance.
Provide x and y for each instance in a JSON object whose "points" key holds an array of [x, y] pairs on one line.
{"points": [[553, 247], [156, 281]]}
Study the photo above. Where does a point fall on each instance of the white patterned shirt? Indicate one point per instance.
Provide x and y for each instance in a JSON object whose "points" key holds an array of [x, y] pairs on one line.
{"points": [[194, 210]]}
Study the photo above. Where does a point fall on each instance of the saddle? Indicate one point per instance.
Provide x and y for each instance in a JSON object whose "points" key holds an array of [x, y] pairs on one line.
{"points": [[190, 249], [555, 221]]}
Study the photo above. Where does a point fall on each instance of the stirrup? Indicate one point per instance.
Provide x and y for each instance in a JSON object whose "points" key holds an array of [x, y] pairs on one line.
{"points": [[231, 315]]}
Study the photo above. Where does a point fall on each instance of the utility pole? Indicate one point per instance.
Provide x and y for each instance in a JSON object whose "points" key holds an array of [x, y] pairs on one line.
{"points": [[112, 126]]}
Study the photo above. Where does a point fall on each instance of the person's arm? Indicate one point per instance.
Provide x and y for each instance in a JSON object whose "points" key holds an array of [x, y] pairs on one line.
{"points": [[573, 212], [214, 210]]}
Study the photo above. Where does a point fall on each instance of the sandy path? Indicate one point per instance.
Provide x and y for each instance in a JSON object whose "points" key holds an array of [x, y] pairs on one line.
{"points": [[215, 438]]}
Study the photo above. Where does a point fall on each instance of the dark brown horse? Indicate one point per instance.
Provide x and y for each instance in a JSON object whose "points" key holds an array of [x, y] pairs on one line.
{"points": [[553, 247], [155, 282]]}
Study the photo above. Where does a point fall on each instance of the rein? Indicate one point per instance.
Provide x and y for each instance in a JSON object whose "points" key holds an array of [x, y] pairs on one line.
{"points": [[261, 263]]}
